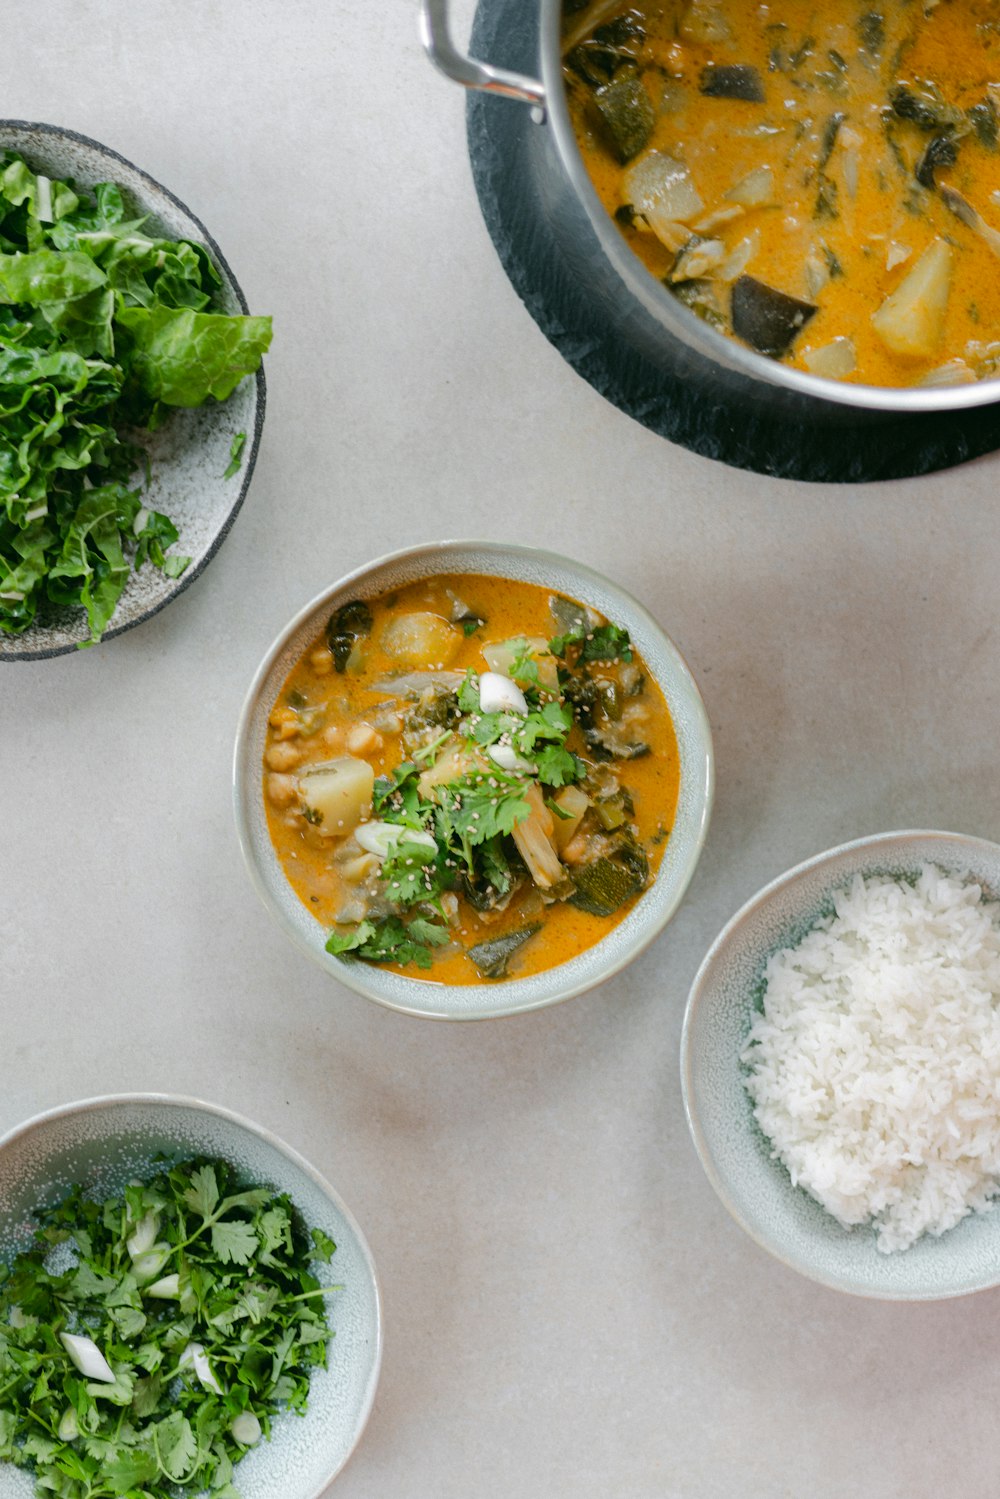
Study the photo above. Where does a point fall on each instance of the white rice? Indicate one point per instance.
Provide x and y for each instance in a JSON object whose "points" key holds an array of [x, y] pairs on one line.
{"points": [[874, 1068]]}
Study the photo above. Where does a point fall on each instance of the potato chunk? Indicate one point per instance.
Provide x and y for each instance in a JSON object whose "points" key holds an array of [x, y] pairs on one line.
{"points": [[910, 321], [422, 639], [501, 654], [337, 795]]}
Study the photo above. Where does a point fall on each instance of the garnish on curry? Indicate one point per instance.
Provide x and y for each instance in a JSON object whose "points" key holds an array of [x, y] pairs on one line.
{"points": [[469, 778], [821, 182]]}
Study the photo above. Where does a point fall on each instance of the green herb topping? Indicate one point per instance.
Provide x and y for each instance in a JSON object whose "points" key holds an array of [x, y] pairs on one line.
{"points": [[147, 1340]]}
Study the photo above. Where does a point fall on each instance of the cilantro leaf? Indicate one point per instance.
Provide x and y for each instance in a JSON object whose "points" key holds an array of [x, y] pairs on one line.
{"points": [[203, 1193], [523, 668], [262, 1327], [468, 693], [387, 940], [480, 807], [234, 1242], [602, 643], [558, 766], [410, 875], [175, 1444], [324, 1246]]}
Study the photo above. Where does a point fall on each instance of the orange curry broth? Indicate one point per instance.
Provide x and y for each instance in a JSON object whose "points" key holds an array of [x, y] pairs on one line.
{"points": [[510, 609], [956, 48]]}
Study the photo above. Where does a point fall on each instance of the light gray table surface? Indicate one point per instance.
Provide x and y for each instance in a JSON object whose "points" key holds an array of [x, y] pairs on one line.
{"points": [[569, 1311]]}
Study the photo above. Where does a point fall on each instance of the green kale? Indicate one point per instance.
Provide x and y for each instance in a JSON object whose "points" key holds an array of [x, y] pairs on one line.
{"points": [[345, 627], [103, 329]]}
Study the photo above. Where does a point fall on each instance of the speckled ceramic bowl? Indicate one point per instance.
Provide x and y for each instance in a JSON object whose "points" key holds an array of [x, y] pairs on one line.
{"points": [[649, 915], [756, 1189], [189, 455], [103, 1143]]}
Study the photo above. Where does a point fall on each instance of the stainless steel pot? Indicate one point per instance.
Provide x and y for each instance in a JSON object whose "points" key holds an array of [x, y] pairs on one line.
{"points": [[644, 312]]}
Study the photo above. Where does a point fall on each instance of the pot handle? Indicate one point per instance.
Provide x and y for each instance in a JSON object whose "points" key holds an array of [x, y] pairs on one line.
{"points": [[466, 70]]}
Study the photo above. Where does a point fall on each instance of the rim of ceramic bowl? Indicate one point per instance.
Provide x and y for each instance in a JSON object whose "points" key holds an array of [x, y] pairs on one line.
{"points": [[100, 1102], [353, 976], [249, 457], [696, 994]]}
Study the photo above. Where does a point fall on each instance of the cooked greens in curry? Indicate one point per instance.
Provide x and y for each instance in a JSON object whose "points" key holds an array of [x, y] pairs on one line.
{"points": [[469, 776], [821, 182]]}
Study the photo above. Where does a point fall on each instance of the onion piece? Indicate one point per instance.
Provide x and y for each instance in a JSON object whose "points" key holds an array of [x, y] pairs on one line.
{"points": [[195, 1357], [246, 1429], [739, 257], [167, 1289], [964, 211], [507, 757], [69, 1426], [382, 838], [144, 1235], [498, 694], [716, 217], [700, 259], [87, 1357], [415, 682], [953, 372], [833, 361], [661, 189], [753, 190], [147, 1266]]}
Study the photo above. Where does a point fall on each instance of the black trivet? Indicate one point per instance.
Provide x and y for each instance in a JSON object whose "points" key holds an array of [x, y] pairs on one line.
{"points": [[767, 429]]}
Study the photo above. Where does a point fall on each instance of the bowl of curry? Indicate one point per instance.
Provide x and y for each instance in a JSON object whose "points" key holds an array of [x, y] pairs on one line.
{"points": [[472, 779]]}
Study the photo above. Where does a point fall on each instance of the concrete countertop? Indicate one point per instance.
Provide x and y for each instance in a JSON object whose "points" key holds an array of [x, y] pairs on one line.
{"points": [[570, 1314]]}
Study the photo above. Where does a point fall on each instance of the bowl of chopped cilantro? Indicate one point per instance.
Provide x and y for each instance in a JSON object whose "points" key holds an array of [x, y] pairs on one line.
{"points": [[186, 1306], [131, 393], [473, 779]]}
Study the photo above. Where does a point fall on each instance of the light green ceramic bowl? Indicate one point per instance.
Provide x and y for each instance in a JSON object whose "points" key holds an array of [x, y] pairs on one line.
{"points": [[103, 1143], [651, 912], [757, 1189]]}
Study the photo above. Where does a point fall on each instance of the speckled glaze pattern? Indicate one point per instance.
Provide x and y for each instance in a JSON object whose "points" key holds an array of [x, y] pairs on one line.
{"points": [[103, 1143], [189, 455], [650, 914], [756, 1188]]}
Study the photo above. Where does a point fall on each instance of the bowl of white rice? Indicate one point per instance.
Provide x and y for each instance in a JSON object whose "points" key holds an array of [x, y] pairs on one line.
{"points": [[840, 1063]]}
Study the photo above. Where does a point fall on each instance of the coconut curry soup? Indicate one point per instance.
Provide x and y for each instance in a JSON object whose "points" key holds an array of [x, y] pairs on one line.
{"points": [[820, 181], [469, 778]]}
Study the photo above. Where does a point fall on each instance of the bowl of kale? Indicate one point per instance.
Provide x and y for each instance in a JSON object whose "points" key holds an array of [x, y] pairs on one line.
{"points": [[131, 393]]}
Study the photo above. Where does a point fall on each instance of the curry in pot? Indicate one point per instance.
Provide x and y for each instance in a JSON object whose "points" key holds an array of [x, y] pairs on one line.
{"points": [[821, 182]]}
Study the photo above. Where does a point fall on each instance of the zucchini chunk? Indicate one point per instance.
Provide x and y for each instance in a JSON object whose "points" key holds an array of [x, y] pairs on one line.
{"points": [[767, 319], [607, 882], [627, 114], [493, 956]]}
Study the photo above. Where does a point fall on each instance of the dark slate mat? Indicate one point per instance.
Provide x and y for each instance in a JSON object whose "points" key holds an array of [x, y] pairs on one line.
{"points": [[678, 395]]}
